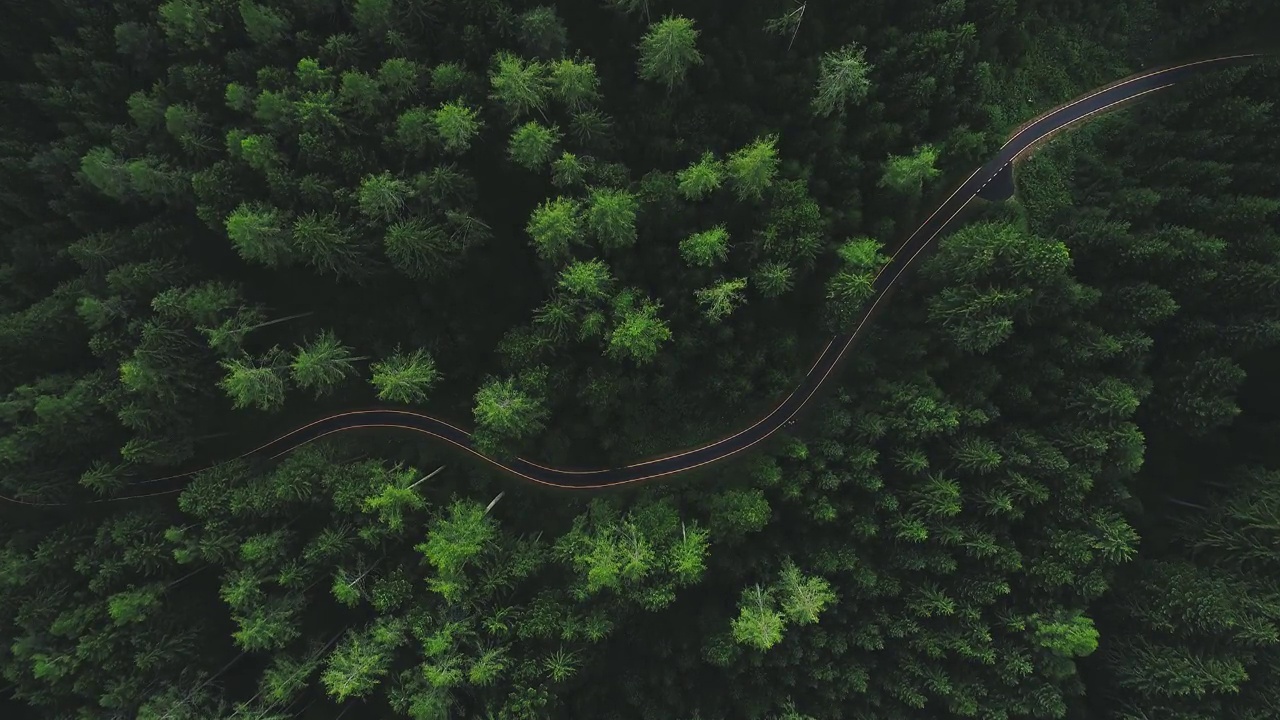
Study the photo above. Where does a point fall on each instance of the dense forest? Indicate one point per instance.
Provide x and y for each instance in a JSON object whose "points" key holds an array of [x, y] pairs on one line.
{"points": [[1046, 484]]}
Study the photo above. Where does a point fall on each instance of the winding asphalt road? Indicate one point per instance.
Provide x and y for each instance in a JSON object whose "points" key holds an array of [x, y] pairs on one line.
{"points": [[896, 269], [1035, 132]]}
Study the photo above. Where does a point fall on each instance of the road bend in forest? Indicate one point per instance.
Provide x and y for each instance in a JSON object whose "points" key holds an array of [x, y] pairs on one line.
{"points": [[1039, 130]]}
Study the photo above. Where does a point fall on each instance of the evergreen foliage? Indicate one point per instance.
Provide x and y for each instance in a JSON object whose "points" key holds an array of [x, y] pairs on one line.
{"points": [[1043, 485]]}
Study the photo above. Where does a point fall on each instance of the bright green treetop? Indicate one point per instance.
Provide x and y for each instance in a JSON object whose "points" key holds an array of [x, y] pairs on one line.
{"points": [[668, 50], [405, 377]]}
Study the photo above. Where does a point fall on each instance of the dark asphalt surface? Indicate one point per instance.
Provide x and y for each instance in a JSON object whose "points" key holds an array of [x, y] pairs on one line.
{"points": [[922, 239], [764, 427]]}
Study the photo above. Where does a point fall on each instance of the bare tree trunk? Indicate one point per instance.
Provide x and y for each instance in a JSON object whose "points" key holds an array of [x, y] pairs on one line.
{"points": [[1186, 504], [427, 477], [494, 502], [277, 320]]}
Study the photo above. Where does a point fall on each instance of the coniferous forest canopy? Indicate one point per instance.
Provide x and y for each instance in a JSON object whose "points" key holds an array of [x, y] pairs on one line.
{"points": [[1045, 485]]}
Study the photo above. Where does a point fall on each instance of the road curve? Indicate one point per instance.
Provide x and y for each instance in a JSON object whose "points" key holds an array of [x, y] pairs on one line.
{"points": [[894, 271], [1052, 122]]}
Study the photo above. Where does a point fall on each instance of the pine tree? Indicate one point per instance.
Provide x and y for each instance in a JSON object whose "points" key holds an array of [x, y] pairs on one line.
{"points": [[455, 126], [325, 243], [506, 411], [842, 79], [720, 300], [668, 50], [397, 76], [706, 248], [908, 173], [758, 624], [773, 279], [587, 280], [255, 382], [405, 377], [611, 217], [258, 233], [383, 196], [322, 364], [555, 227], [575, 83], [263, 25], [416, 130], [359, 662], [752, 169], [188, 22], [700, 179], [639, 332], [542, 33], [533, 145], [519, 86]]}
